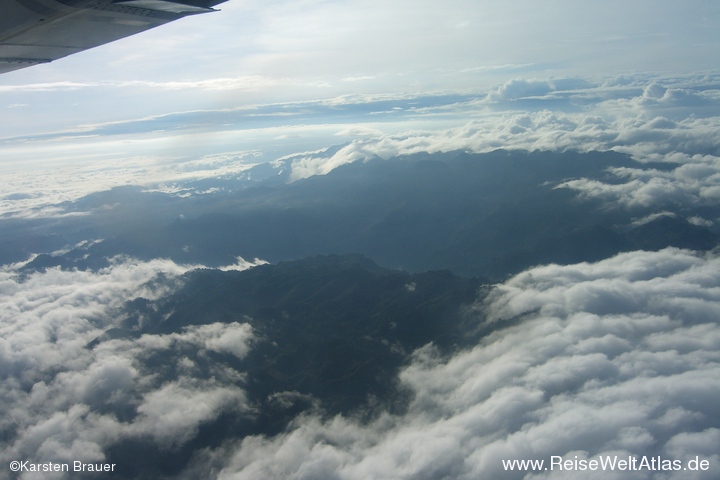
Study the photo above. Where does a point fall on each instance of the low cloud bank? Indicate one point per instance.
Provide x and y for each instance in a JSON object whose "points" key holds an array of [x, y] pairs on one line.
{"points": [[693, 183], [618, 357], [614, 358], [644, 137], [65, 397]]}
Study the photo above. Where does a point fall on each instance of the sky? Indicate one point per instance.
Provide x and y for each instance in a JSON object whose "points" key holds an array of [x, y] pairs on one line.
{"points": [[258, 81], [209, 96], [253, 56]]}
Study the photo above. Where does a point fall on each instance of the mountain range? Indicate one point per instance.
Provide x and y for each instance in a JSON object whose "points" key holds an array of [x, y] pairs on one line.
{"points": [[490, 215]]}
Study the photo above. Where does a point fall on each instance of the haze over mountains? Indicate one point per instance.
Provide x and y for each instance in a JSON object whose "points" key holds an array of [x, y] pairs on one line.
{"points": [[489, 214], [368, 240]]}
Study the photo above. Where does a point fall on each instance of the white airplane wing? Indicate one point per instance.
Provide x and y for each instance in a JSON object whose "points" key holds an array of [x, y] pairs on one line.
{"points": [[40, 31]]}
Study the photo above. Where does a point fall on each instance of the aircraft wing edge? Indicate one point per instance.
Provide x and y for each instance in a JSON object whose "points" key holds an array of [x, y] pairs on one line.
{"points": [[32, 35]]}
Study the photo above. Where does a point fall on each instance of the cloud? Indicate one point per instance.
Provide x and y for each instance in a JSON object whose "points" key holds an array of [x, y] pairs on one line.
{"points": [[692, 141], [652, 217], [28, 193], [65, 396], [48, 318], [520, 88], [695, 182], [491, 68], [617, 357], [243, 264], [47, 87], [320, 163], [655, 94], [233, 337], [246, 82], [172, 413], [359, 132], [590, 360]]}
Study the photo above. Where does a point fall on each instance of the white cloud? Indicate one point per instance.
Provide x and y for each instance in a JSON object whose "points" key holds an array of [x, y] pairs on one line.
{"points": [[31, 193], [48, 318], [628, 123], [695, 182], [520, 88], [243, 264], [645, 138], [310, 165], [652, 217], [701, 222], [172, 413], [59, 395], [46, 87], [618, 356], [232, 337], [615, 357]]}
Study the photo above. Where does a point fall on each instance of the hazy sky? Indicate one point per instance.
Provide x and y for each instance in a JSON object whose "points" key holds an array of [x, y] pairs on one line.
{"points": [[260, 80], [255, 52]]}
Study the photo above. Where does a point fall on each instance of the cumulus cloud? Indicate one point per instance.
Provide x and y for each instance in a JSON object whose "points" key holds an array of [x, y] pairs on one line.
{"points": [[47, 318], [549, 89], [615, 358], [656, 94]]}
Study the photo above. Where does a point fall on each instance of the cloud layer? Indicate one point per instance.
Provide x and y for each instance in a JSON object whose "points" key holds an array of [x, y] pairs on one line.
{"points": [[653, 118], [618, 357], [66, 397]]}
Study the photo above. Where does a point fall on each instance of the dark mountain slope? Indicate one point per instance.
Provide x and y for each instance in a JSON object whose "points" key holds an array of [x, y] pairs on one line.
{"points": [[335, 320], [331, 333]]}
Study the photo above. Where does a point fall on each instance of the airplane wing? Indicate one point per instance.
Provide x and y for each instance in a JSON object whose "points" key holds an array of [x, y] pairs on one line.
{"points": [[40, 31]]}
